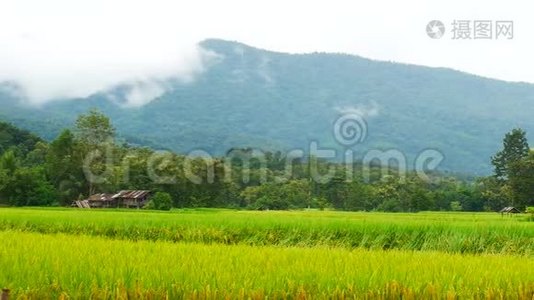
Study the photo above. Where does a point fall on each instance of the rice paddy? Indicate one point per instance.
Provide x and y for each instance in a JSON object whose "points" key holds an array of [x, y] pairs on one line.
{"points": [[225, 254]]}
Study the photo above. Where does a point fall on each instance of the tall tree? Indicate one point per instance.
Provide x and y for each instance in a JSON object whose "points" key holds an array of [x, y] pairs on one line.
{"points": [[95, 133], [9, 162], [522, 181], [515, 148], [94, 128], [64, 166]]}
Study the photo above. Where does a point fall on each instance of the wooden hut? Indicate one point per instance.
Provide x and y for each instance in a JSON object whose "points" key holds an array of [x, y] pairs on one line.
{"points": [[132, 198], [101, 201], [509, 210]]}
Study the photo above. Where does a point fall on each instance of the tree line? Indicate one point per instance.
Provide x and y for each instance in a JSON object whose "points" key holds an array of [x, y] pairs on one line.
{"points": [[87, 159]]}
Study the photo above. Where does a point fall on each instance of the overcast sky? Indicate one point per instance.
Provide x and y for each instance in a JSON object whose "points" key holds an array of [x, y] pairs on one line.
{"points": [[68, 48]]}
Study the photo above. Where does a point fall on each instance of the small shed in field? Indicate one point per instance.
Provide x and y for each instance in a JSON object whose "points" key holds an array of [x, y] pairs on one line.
{"points": [[509, 210], [132, 198]]}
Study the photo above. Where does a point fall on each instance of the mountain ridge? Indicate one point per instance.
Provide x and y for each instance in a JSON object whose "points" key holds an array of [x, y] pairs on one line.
{"points": [[259, 98], [210, 42]]}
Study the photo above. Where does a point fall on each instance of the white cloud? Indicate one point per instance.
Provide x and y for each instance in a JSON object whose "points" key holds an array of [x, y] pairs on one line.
{"points": [[144, 92], [52, 69], [369, 110], [60, 56]]}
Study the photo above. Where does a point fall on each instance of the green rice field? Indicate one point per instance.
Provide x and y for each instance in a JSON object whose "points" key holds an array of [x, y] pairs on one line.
{"points": [[226, 254]]}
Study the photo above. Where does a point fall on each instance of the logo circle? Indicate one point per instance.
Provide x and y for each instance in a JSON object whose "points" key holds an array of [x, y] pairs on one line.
{"points": [[435, 29], [350, 129]]}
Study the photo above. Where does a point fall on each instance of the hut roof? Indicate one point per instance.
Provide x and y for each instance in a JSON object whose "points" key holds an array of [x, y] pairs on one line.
{"points": [[131, 194], [101, 197], [510, 209]]}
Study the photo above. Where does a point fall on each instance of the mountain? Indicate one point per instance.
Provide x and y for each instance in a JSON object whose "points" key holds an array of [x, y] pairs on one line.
{"points": [[253, 97]]}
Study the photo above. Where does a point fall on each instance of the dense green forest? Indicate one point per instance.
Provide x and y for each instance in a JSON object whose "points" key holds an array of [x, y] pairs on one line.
{"points": [[87, 159], [251, 97]]}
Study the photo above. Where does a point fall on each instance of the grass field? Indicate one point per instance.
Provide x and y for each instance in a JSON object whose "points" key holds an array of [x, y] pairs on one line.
{"points": [[212, 254]]}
